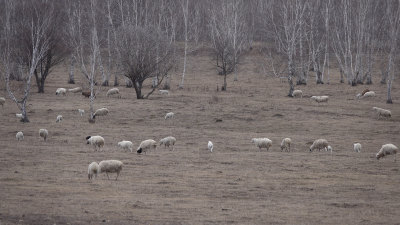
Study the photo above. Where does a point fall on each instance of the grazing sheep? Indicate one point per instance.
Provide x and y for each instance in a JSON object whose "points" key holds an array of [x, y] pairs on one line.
{"points": [[285, 144], [319, 144], [110, 166], [61, 91], [81, 111], [169, 115], [297, 93], [262, 143], [365, 91], [382, 112], [19, 115], [126, 145], [43, 133], [86, 93], [2, 101], [93, 169], [368, 94], [357, 147], [146, 145], [100, 112], [387, 149], [164, 92], [96, 141], [20, 136], [320, 99], [59, 118], [75, 90], [210, 146], [112, 91], [168, 141]]}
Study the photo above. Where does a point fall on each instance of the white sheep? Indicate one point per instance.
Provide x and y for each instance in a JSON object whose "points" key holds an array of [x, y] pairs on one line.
{"points": [[110, 166], [262, 143], [357, 147], [44, 134], [210, 146], [146, 145], [96, 141], [112, 91], [320, 99], [297, 93], [164, 92], [382, 112], [328, 149], [319, 144], [100, 112], [368, 94], [285, 144], [59, 118], [81, 111], [126, 145], [169, 115], [387, 149], [75, 90], [168, 141], [19, 115], [93, 169], [61, 91], [19, 136], [2, 101]]}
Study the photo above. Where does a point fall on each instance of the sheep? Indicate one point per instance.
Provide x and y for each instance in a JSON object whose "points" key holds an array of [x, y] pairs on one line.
{"points": [[96, 141], [168, 141], [387, 149], [126, 145], [285, 144], [86, 93], [210, 146], [100, 112], [358, 96], [112, 91], [298, 93], [262, 143], [2, 101], [357, 147], [43, 133], [169, 115], [328, 149], [110, 166], [146, 145], [320, 99], [75, 90], [368, 94], [61, 91], [319, 144], [382, 112], [365, 91], [81, 111], [93, 169], [19, 115], [59, 118], [19, 136], [164, 92]]}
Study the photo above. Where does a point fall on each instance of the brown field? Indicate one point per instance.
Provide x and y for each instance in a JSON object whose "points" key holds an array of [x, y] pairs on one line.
{"points": [[46, 182]]}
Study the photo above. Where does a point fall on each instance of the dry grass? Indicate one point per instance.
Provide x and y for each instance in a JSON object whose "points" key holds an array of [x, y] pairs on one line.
{"points": [[46, 182]]}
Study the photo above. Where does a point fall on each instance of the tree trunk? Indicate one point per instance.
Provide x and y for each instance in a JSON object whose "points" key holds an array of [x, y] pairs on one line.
{"points": [[389, 90], [341, 76], [138, 89], [71, 70], [384, 76], [225, 84], [116, 80]]}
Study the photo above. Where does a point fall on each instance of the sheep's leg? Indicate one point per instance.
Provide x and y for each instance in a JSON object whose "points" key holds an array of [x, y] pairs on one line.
{"points": [[117, 176], [107, 175]]}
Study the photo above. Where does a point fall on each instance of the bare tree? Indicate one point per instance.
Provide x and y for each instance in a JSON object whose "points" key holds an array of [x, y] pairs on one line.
{"points": [[185, 10]]}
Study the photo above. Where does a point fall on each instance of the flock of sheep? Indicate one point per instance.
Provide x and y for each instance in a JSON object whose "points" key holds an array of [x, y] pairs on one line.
{"points": [[115, 166]]}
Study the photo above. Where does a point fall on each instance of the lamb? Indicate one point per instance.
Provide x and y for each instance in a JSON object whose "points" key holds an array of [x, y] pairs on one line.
{"points": [[61, 91], [100, 112], [168, 141], [210, 146], [75, 90], [93, 169], [382, 112], [19, 115], [146, 145], [126, 145], [320, 99], [110, 166], [43, 133], [387, 149], [164, 92], [2, 101], [357, 147], [112, 91], [169, 115], [20, 136], [81, 111], [96, 141], [285, 144], [368, 94], [59, 118], [319, 144], [262, 143], [328, 149], [298, 93]]}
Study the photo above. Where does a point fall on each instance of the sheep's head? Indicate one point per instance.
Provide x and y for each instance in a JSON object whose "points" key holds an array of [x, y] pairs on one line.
{"points": [[139, 150], [379, 155], [253, 140]]}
